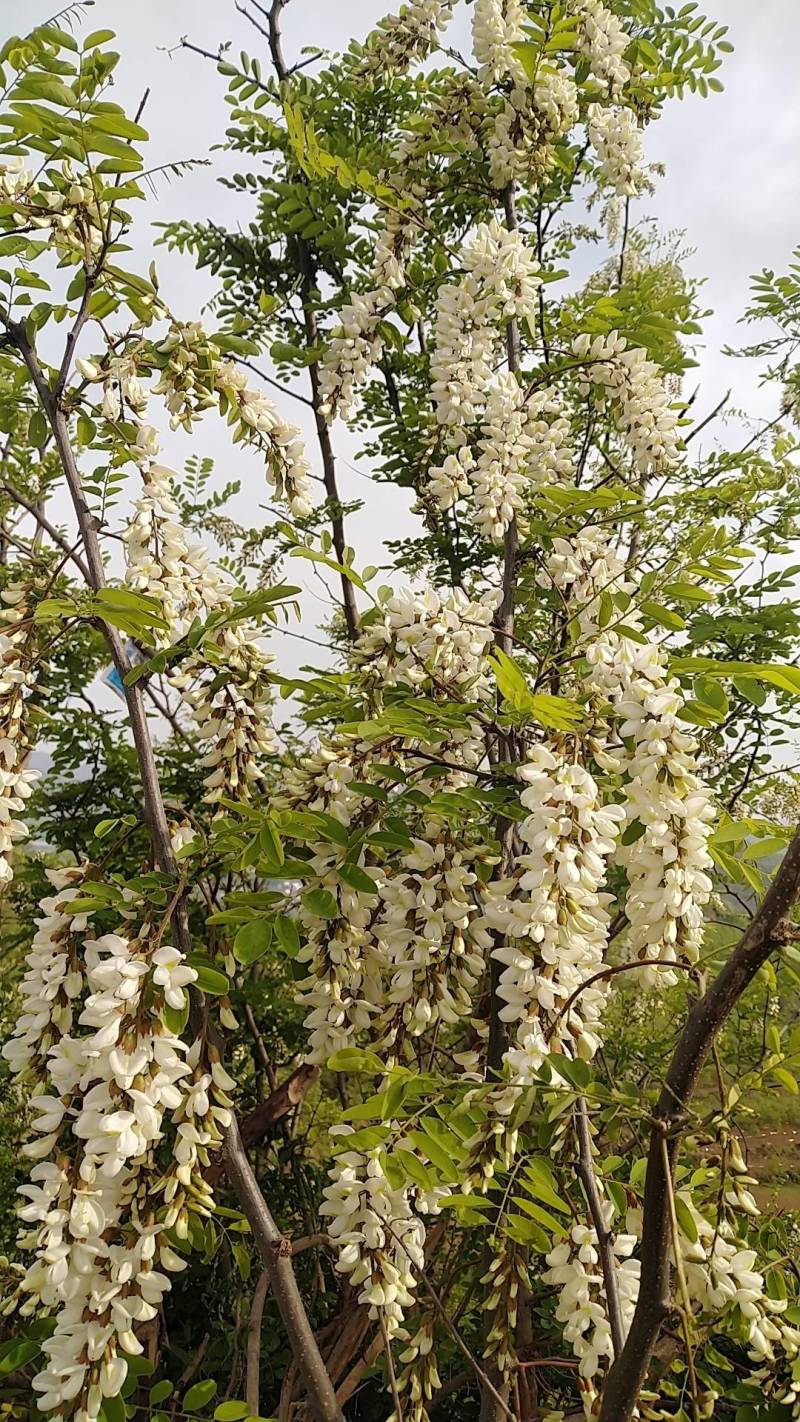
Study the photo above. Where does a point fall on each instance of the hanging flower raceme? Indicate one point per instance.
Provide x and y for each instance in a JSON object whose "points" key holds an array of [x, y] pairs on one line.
{"points": [[112, 1080], [497, 26], [123, 391], [617, 140], [432, 636], [521, 136], [500, 282], [227, 690], [17, 679], [429, 927], [358, 342], [553, 916], [724, 1282], [367, 969], [65, 205], [574, 1269], [378, 1229], [162, 563], [259, 423], [668, 808], [404, 39], [641, 403], [603, 41]]}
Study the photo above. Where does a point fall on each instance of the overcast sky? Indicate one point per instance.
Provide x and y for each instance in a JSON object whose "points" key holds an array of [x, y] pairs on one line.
{"points": [[732, 183]]}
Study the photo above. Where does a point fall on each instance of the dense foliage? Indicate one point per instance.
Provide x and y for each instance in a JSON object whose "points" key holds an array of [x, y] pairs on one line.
{"points": [[419, 1005]]}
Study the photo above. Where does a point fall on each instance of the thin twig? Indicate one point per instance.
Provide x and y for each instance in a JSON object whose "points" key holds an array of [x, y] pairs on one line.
{"points": [[605, 1236]]}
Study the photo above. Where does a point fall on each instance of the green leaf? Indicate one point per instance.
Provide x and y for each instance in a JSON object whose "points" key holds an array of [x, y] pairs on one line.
{"points": [[786, 1079], [321, 903], [357, 878], [98, 37], [271, 842], [314, 557], [160, 1391], [413, 1168], [17, 1353], [541, 1183], [357, 1060], [175, 1018], [252, 940], [437, 1154], [288, 935], [115, 122], [199, 1395], [209, 979], [368, 1138], [664, 616], [113, 1410], [555, 712], [231, 1412], [685, 1218]]}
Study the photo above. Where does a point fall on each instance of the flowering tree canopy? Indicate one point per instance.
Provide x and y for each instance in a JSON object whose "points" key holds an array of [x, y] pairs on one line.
{"points": [[493, 878]]}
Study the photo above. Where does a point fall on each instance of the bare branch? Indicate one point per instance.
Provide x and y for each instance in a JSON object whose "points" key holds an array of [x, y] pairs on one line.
{"points": [[276, 1253], [605, 1236]]}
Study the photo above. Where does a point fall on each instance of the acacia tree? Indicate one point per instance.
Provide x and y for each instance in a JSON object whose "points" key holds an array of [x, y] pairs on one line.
{"points": [[497, 837]]}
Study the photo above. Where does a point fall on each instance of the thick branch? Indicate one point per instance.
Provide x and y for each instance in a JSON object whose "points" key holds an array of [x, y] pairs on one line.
{"points": [[765, 933], [276, 1253]]}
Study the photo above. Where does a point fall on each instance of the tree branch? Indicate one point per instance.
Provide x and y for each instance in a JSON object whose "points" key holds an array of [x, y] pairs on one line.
{"points": [[605, 1236], [276, 1253], [253, 1353], [766, 932]]}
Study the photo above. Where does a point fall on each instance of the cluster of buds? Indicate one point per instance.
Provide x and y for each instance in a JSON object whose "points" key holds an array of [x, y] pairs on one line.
{"points": [[67, 207]]}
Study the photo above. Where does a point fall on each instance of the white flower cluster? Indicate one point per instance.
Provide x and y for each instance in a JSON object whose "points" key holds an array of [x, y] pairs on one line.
{"points": [[435, 949], [497, 26], [617, 140], [500, 283], [17, 678], [419, 1380], [521, 442], [642, 403], [260, 423], [401, 40], [160, 561], [435, 636], [553, 915], [97, 1214], [122, 388], [357, 342], [521, 136], [344, 989], [230, 700], [722, 1276], [668, 864], [187, 380], [574, 1269], [407, 955], [377, 1227], [603, 41], [68, 208]]}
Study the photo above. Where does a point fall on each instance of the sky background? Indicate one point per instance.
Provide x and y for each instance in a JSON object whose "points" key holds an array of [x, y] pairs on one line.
{"points": [[732, 184]]}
